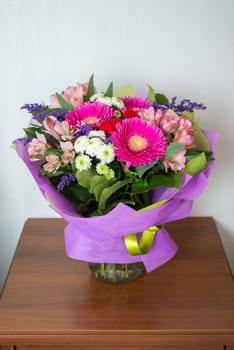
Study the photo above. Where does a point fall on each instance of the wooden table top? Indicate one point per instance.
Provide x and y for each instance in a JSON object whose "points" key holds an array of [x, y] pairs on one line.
{"points": [[48, 293]]}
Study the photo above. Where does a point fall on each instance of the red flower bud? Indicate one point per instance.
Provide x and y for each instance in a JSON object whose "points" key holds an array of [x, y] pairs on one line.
{"points": [[109, 126], [130, 113]]}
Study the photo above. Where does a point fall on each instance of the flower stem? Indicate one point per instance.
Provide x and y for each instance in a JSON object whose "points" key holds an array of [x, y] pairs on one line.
{"points": [[102, 270]]}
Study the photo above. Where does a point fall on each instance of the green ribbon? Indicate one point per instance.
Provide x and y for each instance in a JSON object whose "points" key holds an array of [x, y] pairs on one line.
{"points": [[135, 247], [147, 238]]}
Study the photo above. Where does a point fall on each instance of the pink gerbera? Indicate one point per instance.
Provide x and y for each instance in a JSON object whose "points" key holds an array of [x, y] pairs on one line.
{"points": [[138, 143], [135, 102], [89, 113]]}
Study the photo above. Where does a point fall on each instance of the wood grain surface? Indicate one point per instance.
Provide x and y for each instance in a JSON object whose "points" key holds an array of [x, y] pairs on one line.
{"points": [[51, 300]]}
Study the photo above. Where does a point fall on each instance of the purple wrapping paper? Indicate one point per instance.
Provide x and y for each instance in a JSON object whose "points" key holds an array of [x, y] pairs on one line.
{"points": [[101, 238]]}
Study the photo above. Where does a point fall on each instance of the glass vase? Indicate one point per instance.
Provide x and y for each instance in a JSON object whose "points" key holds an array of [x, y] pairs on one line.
{"points": [[117, 273]]}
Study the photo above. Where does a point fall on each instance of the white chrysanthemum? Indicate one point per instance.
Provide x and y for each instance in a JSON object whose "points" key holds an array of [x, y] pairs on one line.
{"points": [[103, 169], [110, 174], [106, 153], [83, 162], [109, 101], [93, 145], [117, 102], [97, 133], [80, 144], [101, 98]]}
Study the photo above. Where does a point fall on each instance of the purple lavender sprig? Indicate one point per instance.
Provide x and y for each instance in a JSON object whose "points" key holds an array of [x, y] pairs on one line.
{"points": [[58, 113], [34, 108], [40, 112], [184, 105], [65, 181], [84, 130]]}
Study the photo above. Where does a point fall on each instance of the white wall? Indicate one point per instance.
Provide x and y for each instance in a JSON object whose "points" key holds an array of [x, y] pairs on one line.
{"points": [[181, 47]]}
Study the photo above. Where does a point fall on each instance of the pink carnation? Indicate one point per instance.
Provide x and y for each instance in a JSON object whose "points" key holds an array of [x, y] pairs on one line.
{"points": [[138, 143], [89, 113]]}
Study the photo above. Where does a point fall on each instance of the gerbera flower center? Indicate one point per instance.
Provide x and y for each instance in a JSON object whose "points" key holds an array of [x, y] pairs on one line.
{"points": [[137, 143], [90, 120]]}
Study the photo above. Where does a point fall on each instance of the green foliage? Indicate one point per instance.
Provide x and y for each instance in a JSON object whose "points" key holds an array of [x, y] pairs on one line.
{"points": [[161, 99], [141, 170], [172, 149], [109, 191], [127, 90], [74, 192], [102, 188], [31, 131], [150, 183], [200, 138], [63, 103], [109, 90], [151, 94], [91, 89], [196, 164]]}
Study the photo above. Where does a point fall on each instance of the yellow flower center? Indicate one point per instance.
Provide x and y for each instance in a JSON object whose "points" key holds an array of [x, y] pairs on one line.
{"points": [[90, 120], [137, 143]]}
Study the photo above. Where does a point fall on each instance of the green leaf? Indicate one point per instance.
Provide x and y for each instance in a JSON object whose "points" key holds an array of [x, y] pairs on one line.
{"points": [[196, 164], [91, 90], [31, 132], [127, 90], [107, 192], [109, 90], [63, 103], [84, 177], [151, 94], [176, 179], [200, 139], [170, 180], [98, 184], [142, 169], [172, 149], [161, 99]]}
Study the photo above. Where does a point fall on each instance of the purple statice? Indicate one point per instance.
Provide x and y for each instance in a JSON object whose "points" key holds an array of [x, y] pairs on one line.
{"points": [[26, 140], [58, 113], [158, 106], [34, 108], [84, 130], [184, 105], [40, 112], [65, 181]]}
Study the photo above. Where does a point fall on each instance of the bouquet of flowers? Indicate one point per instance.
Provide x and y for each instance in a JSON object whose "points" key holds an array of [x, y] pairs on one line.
{"points": [[117, 167]]}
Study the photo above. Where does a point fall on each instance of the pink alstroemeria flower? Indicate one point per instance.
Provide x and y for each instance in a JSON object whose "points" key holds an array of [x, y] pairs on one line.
{"points": [[169, 122], [72, 94], [68, 156], [66, 146], [176, 162], [185, 133], [53, 163], [59, 130], [49, 124], [37, 147]]}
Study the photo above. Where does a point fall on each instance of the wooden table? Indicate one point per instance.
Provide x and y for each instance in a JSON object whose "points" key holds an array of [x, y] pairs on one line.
{"points": [[52, 302]]}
